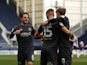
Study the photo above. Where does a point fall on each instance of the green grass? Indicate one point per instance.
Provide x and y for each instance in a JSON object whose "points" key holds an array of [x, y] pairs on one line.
{"points": [[12, 60], [80, 61]]}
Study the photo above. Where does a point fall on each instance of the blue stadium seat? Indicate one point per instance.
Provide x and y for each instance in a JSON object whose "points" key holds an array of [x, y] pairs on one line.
{"points": [[9, 19], [83, 38]]}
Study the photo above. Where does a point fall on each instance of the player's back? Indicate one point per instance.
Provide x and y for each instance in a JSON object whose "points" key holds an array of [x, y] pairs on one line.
{"points": [[51, 34]]}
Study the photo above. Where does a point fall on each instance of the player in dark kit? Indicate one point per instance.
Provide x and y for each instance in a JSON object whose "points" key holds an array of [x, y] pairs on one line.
{"points": [[24, 33], [65, 44], [49, 49], [50, 38]]}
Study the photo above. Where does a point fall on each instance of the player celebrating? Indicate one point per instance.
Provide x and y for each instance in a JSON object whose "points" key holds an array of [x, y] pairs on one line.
{"points": [[50, 38], [49, 49], [65, 45], [24, 33]]}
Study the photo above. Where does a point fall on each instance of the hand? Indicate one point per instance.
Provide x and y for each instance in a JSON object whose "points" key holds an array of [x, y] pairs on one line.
{"points": [[44, 23], [73, 39], [17, 32]]}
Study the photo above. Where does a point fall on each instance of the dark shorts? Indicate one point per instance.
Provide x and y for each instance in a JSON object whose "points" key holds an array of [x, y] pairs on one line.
{"points": [[49, 55], [24, 55], [64, 56]]}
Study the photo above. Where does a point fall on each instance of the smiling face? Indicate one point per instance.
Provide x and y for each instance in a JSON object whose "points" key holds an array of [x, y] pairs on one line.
{"points": [[25, 18]]}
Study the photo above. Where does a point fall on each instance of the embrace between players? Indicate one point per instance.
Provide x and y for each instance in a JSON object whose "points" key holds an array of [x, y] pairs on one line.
{"points": [[57, 39]]}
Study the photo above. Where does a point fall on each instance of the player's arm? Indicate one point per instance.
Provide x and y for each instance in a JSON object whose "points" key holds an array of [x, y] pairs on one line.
{"points": [[44, 23], [65, 30], [12, 33], [38, 33], [15, 31], [33, 31]]}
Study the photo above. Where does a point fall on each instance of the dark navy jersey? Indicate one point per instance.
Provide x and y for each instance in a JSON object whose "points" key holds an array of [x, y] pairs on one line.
{"points": [[51, 33], [25, 37], [64, 38]]}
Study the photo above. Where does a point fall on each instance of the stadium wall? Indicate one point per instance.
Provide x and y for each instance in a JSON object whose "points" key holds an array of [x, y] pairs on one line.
{"points": [[14, 52]]}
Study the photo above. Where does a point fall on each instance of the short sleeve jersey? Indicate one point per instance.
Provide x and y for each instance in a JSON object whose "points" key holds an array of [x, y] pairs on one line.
{"points": [[25, 37], [64, 38], [51, 33]]}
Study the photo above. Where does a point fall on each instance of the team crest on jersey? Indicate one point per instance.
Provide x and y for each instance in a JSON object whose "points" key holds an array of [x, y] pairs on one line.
{"points": [[29, 29]]}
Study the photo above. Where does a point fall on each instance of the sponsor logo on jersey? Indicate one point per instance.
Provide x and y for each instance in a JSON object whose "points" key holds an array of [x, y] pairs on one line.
{"points": [[25, 34], [61, 24]]}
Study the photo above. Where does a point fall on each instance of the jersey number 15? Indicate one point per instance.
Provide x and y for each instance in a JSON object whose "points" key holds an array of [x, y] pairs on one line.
{"points": [[47, 32]]}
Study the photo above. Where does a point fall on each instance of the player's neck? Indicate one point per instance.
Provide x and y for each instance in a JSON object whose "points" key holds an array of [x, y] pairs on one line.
{"points": [[24, 24]]}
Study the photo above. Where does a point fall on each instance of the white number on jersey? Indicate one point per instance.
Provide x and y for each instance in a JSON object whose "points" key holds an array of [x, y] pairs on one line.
{"points": [[47, 32]]}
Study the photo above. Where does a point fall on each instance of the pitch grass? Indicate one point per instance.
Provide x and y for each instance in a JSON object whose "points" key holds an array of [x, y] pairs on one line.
{"points": [[12, 60]]}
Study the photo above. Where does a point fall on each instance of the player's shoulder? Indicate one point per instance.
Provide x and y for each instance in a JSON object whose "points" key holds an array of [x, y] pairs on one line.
{"points": [[17, 26], [59, 19], [30, 24], [52, 20], [62, 18]]}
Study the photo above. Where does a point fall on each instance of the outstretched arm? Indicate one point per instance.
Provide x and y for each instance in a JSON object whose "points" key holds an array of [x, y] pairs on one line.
{"points": [[38, 35]]}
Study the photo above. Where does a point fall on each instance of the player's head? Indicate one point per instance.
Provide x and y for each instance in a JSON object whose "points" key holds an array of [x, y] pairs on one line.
{"points": [[60, 11], [50, 13], [24, 17]]}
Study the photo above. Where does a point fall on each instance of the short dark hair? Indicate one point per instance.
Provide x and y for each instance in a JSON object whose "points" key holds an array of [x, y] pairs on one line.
{"points": [[21, 15], [62, 11], [49, 10]]}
